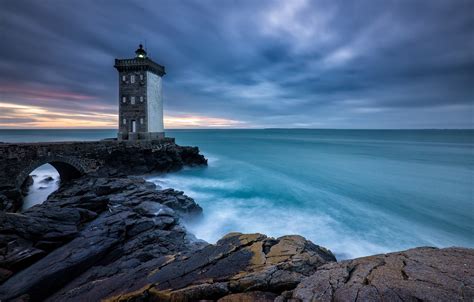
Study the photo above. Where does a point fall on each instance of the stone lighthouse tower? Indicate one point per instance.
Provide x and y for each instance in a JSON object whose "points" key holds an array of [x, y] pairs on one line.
{"points": [[140, 97]]}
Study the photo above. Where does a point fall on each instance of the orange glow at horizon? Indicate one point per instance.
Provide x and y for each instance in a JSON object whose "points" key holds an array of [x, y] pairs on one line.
{"points": [[23, 116], [28, 116], [196, 121]]}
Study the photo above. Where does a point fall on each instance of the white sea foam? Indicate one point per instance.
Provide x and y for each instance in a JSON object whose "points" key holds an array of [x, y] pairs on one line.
{"points": [[189, 182], [223, 214], [227, 215], [39, 191], [212, 160]]}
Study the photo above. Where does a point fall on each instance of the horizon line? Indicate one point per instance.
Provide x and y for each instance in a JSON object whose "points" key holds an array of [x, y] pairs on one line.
{"points": [[264, 128]]}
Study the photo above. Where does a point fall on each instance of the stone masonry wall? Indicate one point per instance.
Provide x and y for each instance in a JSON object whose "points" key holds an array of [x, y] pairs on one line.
{"points": [[127, 110], [18, 159], [72, 159]]}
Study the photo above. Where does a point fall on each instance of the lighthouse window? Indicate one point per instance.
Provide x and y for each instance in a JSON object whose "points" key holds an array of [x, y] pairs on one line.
{"points": [[141, 99], [132, 100], [124, 121], [124, 99], [141, 121], [132, 79]]}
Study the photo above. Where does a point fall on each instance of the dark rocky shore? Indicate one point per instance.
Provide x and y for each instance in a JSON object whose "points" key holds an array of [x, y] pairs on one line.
{"points": [[106, 236]]}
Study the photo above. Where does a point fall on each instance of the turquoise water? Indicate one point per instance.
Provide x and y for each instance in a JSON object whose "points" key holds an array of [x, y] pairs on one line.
{"points": [[357, 192]]}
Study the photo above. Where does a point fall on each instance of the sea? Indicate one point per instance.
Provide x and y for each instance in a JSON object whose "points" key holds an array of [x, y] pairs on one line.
{"points": [[356, 192]]}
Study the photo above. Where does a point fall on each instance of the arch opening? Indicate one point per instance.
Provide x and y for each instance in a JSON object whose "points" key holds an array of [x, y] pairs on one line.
{"points": [[44, 180], [65, 170], [40, 183]]}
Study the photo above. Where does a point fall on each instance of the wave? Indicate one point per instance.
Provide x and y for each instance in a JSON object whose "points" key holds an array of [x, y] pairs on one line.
{"points": [[190, 182], [224, 213], [258, 215]]}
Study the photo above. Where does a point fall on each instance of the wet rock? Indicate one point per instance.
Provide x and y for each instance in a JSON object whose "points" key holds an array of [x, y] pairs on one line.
{"points": [[24, 236], [170, 157], [47, 179], [47, 245], [421, 274], [20, 256], [255, 296], [4, 274], [178, 201], [81, 230], [56, 269], [26, 184], [191, 156], [235, 264], [5, 203], [11, 199]]}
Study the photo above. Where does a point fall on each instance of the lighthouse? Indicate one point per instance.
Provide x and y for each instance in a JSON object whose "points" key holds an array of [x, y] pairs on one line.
{"points": [[140, 97]]}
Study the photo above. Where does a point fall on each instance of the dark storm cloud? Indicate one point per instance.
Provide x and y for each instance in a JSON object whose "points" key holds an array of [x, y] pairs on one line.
{"points": [[296, 63]]}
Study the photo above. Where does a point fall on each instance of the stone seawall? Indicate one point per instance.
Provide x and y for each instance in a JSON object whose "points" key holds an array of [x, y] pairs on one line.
{"points": [[73, 159]]}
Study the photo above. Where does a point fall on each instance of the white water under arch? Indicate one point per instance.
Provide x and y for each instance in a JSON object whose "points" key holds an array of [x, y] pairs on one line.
{"points": [[45, 181]]}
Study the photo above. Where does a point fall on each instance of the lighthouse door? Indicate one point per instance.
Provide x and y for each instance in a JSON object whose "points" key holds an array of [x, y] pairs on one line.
{"points": [[134, 126]]}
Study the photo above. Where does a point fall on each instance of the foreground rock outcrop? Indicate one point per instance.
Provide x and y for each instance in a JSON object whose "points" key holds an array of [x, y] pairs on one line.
{"points": [[113, 223], [235, 264], [421, 274], [121, 239]]}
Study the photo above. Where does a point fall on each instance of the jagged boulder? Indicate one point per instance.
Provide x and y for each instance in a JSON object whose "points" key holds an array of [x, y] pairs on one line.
{"points": [[235, 264], [11, 199], [420, 274]]}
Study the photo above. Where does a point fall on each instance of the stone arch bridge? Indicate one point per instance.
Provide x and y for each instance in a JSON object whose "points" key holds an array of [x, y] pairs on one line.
{"points": [[73, 159]]}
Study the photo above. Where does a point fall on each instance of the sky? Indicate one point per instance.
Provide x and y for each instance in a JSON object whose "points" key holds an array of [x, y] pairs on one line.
{"points": [[242, 64]]}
